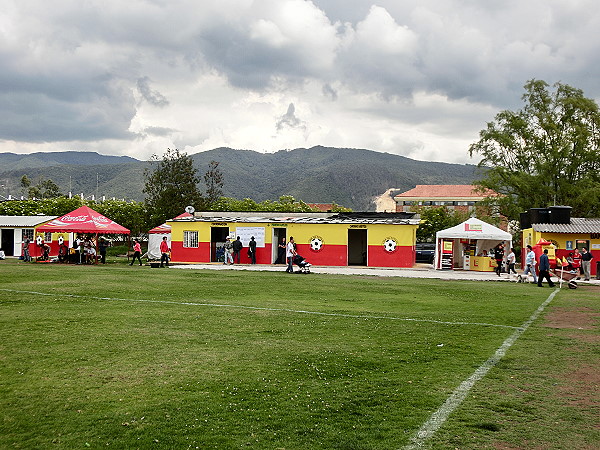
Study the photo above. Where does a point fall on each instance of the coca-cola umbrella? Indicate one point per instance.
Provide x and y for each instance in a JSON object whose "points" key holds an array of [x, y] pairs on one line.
{"points": [[83, 220]]}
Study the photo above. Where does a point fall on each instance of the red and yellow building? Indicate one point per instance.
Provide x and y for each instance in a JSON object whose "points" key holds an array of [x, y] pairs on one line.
{"points": [[555, 226], [368, 239]]}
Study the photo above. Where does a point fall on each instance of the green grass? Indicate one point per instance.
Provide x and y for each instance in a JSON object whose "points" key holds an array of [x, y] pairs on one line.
{"points": [[113, 356]]}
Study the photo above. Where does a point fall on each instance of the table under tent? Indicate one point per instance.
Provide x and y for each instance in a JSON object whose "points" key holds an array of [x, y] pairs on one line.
{"points": [[82, 221], [468, 246]]}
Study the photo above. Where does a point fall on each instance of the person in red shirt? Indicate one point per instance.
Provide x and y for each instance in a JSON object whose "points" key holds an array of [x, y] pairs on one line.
{"points": [[137, 252], [577, 261], [164, 252]]}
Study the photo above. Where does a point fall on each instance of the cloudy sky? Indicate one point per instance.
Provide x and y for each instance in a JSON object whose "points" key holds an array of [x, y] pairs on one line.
{"points": [[417, 78]]}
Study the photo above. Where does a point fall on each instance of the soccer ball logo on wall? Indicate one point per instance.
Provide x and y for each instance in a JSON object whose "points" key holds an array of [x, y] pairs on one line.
{"points": [[316, 243], [390, 244]]}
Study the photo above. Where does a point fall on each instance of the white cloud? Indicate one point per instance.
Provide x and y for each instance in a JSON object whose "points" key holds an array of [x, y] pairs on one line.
{"points": [[418, 78]]}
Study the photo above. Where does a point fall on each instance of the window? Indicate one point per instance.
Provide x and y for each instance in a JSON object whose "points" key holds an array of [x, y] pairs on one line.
{"points": [[47, 237], [27, 233], [190, 239]]}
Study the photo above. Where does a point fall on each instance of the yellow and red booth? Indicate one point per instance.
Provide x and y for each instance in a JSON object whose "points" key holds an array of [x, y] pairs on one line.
{"points": [[369, 239]]}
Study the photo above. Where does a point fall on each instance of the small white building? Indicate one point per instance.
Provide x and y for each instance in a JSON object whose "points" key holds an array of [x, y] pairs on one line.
{"points": [[14, 230]]}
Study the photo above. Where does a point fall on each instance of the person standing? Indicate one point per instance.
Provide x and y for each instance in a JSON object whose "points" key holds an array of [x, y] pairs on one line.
{"points": [[252, 250], [26, 254], [545, 269], [511, 259], [102, 246], [228, 253], [164, 252], [499, 257], [137, 252], [530, 264], [586, 263], [290, 252], [577, 261], [237, 248], [281, 252]]}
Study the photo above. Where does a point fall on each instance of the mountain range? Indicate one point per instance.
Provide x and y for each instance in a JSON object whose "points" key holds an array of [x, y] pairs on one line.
{"points": [[348, 177]]}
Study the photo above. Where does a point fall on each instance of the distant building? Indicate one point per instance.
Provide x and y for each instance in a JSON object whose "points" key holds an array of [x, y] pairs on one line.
{"points": [[460, 197], [322, 207], [555, 225], [15, 229]]}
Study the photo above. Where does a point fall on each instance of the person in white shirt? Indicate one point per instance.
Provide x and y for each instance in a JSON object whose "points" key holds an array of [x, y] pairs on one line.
{"points": [[290, 252], [511, 259], [530, 264]]}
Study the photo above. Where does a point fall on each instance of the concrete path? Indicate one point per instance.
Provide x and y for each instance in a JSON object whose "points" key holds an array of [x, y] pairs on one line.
{"points": [[419, 271]]}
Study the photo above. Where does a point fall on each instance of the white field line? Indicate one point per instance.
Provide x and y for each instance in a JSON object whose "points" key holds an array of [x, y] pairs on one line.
{"points": [[258, 308], [438, 418]]}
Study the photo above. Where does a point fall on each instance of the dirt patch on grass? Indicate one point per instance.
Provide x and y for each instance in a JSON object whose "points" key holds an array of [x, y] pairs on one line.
{"points": [[582, 388], [574, 318]]}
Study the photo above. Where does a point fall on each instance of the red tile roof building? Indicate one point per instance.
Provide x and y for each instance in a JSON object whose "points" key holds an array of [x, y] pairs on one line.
{"points": [[461, 197]]}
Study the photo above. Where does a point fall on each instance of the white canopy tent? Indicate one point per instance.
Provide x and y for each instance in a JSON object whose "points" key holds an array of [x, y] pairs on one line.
{"points": [[486, 236]]}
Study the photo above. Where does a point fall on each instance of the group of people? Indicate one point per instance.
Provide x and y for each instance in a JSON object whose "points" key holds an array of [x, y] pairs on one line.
{"points": [[233, 250], [576, 261], [83, 250]]}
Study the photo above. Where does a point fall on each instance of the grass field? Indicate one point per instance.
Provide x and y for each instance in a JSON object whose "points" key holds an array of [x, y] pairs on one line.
{"points": [[133, 357]]}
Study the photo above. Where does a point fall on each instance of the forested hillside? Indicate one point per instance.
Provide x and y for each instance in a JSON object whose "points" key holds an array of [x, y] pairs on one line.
{"points": [[348, 177]]}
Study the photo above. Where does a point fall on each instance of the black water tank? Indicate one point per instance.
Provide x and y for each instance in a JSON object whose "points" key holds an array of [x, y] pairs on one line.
{"points": [[560, 214], [534, 215], [525, 220], [544, 215]]}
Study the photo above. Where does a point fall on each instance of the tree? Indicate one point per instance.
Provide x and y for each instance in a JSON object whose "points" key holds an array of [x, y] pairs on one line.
{"points": [[213, 178], [171, 186], [544, 154], [44, 188]]}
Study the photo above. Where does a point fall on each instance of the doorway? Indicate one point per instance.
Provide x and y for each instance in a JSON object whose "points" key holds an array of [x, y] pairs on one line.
{"points": [[357, 247], [278, 235], [218, 235], [8, 241]]}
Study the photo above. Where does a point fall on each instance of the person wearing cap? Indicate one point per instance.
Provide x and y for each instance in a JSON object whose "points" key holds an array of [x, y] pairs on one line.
{"points": [[252, 250]]}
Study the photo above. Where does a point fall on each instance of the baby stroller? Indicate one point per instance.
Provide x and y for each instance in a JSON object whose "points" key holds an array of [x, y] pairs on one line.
{"points": [[303, 264]]}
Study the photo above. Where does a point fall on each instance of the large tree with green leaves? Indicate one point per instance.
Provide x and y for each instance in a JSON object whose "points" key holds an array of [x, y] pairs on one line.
{"points": [[544, 154], [171, 185], [44, 189]]}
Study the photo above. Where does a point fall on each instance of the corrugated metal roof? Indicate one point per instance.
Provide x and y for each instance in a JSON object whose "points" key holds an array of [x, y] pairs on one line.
{"points": [[24, 221], [306, 219], [577, 226]]}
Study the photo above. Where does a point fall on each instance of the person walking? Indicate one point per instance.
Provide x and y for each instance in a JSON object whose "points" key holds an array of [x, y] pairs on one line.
{"points": [[530, 264], [164, 252], [545, 269], [511, 260], [137, 252], [586, 263], [290, 252], [252, 250], [237, 248], [499, 257]]}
